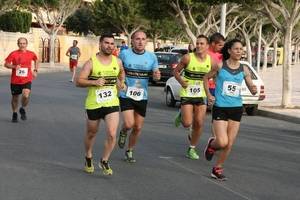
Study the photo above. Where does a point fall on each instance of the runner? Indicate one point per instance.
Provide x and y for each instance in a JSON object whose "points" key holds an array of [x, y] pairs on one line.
{"points": [[158, 48], [216, 43], [101, 75], [74, 53], [138, 64], [20, 61], [228, 108], [193, 99], [123, 46]]}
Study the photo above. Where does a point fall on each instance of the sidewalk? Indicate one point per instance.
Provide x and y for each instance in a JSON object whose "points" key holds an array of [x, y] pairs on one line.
{"points": [[270, 107]]}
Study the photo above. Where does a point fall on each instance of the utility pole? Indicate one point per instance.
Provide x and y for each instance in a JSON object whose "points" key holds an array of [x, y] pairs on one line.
{"points": [[259, 48]]}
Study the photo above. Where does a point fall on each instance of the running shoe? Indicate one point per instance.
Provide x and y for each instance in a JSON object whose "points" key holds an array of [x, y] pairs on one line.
{"points": [[23, 113], [88, 166], [177, 121], [129, 156], [104, 165], [14, 117], [209, 151], [217, 173], [192, 154], [122, 139]]}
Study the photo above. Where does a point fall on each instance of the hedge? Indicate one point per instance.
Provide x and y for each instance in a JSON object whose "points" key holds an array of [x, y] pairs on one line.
{"points": [[16, 21]]}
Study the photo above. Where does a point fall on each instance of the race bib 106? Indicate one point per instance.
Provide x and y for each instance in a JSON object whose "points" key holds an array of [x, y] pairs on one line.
{"points": [[104, 95], [232, 89], [194, 91], [135, 93], [22, 72]]}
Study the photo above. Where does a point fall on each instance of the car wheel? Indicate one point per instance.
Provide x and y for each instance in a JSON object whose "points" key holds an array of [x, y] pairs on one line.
{"points": [[251, 110], [170, 101]]}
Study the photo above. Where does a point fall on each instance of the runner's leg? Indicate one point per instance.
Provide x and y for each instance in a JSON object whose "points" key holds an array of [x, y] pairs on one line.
{"points": [[187, 115], [187, 111], [73, 72], [90, 136], [112, 122], [232, 131], [198, 122], [71, 67], [25, 97], [136, 130], [221, 139], [14, 102], [128, 120]]}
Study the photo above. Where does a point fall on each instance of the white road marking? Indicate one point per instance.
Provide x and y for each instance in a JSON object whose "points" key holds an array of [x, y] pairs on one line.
{"points": [[169, 159]]}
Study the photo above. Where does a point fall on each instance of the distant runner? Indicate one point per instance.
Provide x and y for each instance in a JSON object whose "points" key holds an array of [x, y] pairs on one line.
{"points": [[74, 53], [20, 61]]}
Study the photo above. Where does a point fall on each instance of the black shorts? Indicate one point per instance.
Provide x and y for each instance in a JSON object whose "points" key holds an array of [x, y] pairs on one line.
{"points": [[228, 113], [194, 101], [17, 89], [130, 104], [100, 113]]}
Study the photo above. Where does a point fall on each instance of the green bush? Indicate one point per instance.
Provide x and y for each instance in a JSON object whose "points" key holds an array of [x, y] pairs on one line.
{"points": [[16, 21]]}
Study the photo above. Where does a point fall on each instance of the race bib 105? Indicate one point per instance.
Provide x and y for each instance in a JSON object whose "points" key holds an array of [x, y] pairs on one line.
{"points": [[194, 91]]}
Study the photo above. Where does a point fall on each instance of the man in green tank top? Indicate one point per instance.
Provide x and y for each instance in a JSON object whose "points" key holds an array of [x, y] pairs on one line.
{"points": [[193, 98], [103, 75]]}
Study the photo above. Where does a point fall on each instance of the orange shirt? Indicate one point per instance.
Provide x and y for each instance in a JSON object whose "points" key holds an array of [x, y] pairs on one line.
{"points": [[217, 57]]}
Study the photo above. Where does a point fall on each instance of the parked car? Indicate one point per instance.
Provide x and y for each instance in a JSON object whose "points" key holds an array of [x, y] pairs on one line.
{"points": [[250, 102], [168, 48], [181, 51], [167, 61]]}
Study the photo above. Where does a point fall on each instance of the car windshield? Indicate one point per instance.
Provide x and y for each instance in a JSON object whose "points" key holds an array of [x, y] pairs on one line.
{"points": [[167, 58]]}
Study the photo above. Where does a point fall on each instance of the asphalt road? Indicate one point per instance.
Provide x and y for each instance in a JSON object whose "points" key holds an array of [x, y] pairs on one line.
{"points": [[43, 157]]}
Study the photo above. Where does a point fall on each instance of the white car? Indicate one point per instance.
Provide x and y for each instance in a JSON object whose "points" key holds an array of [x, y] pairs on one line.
{"points": [[250, 102]]}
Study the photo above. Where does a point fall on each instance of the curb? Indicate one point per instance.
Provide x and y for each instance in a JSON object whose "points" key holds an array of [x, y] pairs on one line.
{"points": [[278, 116]]}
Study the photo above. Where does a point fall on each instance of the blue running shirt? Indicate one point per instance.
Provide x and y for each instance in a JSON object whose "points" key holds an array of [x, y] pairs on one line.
{"points": [[137, 68], [228, 87]]}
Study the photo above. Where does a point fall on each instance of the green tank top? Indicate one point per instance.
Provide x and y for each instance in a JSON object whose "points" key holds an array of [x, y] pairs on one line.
{"points": [[194, 74], [107, 95]]}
